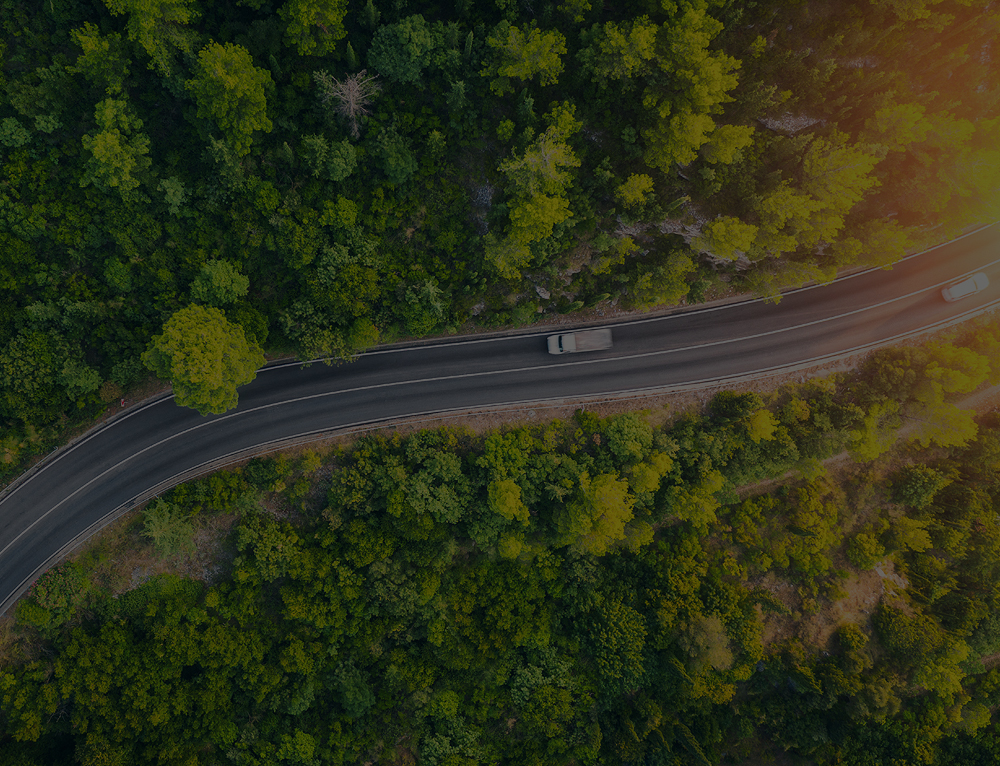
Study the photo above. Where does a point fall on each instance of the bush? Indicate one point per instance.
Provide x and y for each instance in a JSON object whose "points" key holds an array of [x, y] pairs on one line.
{"points": [[61, 589], [262, 472], [168, 527], [30, 613], [732, 406], [220, 492]]}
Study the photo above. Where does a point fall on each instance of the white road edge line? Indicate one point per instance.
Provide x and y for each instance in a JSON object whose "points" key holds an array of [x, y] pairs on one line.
{"points": [[355, 389], [11, 491], [691, 385]]}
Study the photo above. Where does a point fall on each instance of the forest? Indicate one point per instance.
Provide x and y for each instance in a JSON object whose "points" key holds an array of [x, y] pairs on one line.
{"points": [[590, 591], [187, 185]]}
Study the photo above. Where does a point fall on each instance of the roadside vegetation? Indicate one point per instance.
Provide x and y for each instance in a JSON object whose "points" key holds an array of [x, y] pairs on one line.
{"points": [[188, 185], [313, 176], [587, 591]]}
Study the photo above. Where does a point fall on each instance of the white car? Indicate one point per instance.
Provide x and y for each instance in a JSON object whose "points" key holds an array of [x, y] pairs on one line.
{"points": [[581, 340], [969, 286]]}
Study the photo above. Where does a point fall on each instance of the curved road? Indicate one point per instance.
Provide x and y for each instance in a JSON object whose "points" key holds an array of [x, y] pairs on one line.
{"points": [[147, 449]]}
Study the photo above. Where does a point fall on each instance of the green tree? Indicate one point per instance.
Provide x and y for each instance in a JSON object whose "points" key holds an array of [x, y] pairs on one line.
{"points": [[37, 371], [205, 357], [13, 134], [726, 143], [505, 255], [539, 182], [522, 55], [335, 162], [395, 156], [865, 551], [787, 217], [907, 637], [504, 497], [836, 175], [942, 673], [157, 25], [944, 424], [104, 61], [117, 151], [174, 193], [725, 237], [533, 218], [706, 643], [896, 126], [909, 535], [218, 284], [596, 519], [696, 503], [761, 426], [696, 83], [636, 190], [916, 485], [169, 527], [876, 433], [370, 16], [314, 26], [575, 9], [629, 437], [646, 477], [402, 51], [541, 169], [950, 369], [231, 92], [875, 243], [618, 635], [621, 52]]}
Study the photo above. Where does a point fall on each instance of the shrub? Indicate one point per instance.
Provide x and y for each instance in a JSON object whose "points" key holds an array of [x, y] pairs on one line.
{"points": [[168, 527], [61, 589], [262, 472]]}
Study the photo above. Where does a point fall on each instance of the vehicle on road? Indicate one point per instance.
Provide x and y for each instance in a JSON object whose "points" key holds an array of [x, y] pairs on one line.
{"points": [[965, 288], [581, 340]]}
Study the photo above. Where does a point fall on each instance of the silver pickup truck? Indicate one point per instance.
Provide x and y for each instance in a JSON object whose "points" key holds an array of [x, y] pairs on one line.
{"points": [[581, 340]]}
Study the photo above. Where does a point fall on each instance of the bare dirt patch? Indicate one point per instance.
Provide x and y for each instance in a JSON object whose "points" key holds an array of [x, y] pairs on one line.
{"points": [[120, 558], [863, 592], [858, 597]]}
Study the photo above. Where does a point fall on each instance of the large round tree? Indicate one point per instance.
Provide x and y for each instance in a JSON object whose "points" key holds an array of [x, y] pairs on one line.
{"points": [[205, 357]]}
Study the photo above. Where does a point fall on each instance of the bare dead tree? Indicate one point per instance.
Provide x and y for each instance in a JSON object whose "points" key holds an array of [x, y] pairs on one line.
{"points": [[350, 97]]}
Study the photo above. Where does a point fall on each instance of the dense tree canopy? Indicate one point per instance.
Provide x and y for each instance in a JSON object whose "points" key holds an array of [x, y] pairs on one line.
{"points": [[231, 92], [205, 357], [590, 592], [379, 170]]}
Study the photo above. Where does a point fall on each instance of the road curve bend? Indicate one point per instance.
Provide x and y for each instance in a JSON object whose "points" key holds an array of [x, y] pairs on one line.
{"points": [[149, 448]]}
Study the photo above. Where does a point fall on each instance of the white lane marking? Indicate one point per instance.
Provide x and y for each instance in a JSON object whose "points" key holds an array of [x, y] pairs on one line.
{"points": [[15, 486], [533, 368], [494, 372], [485, 373], [678, 386]]}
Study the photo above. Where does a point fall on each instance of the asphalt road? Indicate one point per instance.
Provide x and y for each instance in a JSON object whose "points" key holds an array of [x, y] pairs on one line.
{"points": [[153, 446]]}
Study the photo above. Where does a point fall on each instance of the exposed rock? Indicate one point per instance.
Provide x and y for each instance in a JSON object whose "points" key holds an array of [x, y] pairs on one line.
{"points": [[789, 123]]}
